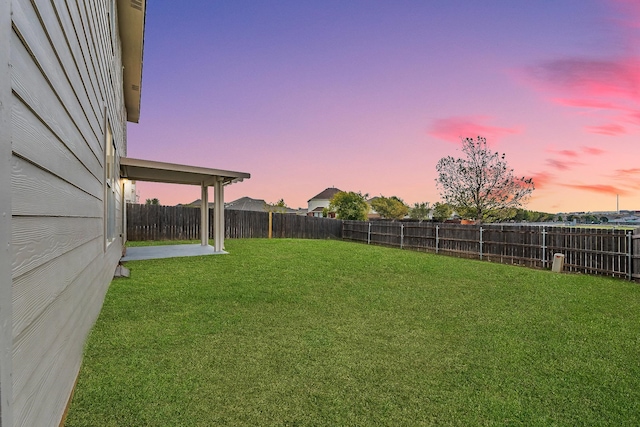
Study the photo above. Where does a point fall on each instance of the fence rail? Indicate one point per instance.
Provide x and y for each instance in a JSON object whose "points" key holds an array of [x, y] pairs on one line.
{"points": [[153, 222], [594, 251]]}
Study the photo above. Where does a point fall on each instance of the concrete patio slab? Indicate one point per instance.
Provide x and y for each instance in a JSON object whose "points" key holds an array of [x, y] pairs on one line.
{"points": [[168, 251]]}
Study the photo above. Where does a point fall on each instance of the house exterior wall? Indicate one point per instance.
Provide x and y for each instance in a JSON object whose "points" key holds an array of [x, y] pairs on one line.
{"points": [[317, 203], [5, 216], [66, 91]]}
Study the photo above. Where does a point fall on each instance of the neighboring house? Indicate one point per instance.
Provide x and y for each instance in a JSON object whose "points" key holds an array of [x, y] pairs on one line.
{"points": [[257, 205], [130, 192], [317, 203], [70, 79], [248, 204], [626, 220], [196, 204]]}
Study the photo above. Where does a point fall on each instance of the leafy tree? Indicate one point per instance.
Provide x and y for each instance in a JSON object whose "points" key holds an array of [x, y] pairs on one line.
{"points": [[279, 207], [420, 211], [350, 205], [545, 217], [441, 211], [390, 207], [482, 183], [591, 219], [153, 201], [520, 215], [604, 219]]}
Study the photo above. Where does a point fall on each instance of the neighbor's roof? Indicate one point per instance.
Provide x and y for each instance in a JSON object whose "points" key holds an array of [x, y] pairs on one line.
{"points": [[326, 194], [196, 203], [247, 204], [172, 173], [131, 16]]}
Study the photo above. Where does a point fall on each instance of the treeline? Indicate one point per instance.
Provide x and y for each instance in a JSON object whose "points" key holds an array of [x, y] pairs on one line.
{"points": [[524, 215]]}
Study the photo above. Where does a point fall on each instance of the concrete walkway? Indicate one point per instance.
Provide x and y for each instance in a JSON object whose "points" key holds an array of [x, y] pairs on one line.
{"points": [[168, 251]]}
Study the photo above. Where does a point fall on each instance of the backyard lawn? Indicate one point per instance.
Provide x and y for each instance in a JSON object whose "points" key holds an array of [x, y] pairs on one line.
{"points": [[331, 333]]}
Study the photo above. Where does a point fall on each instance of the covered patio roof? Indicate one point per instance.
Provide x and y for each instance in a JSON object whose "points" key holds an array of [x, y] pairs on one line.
{"points": [[172, 173]]}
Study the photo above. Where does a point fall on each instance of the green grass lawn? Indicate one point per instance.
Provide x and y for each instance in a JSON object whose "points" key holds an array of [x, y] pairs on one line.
{"points": [[330, 333]]}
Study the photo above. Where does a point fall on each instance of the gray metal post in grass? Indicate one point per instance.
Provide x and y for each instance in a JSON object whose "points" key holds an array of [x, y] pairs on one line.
{"points": [[544, 247], [629, 256]]}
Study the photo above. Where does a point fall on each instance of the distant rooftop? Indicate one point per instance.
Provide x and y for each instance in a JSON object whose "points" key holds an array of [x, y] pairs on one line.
{"points": [[326, 194], [248, 204]]}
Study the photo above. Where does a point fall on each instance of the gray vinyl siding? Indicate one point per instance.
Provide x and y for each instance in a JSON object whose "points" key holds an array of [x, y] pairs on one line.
{"points": [[5, 217], [66, 85]]}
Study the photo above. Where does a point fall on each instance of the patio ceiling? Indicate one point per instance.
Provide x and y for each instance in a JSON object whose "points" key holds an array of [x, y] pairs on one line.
{"points": [[172, 173]]}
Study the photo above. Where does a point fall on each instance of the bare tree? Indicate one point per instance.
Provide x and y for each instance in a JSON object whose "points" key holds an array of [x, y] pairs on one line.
{"points": [[481, 184]]}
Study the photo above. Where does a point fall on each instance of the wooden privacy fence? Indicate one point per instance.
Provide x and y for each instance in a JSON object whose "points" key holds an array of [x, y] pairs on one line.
{"points": [[586, 250], [153, 222], [248, 224]]}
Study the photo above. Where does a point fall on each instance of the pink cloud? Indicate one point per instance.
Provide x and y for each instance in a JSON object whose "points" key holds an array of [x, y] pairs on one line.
{"points": [[592, 78], [602, 86], [634, 117], [595, 151], [628, 173], [597, 188], [454, 128], [541, 179], [629, 177], [568, 153], [612, 129], [586, 103], [562, 165]]}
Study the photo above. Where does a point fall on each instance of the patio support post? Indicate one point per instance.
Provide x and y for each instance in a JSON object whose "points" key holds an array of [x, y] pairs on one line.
{"points": [[204, 215], [218, 215]]}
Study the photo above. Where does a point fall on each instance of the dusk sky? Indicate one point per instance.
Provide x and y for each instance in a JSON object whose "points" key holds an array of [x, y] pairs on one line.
{"points": [[368, 95]]}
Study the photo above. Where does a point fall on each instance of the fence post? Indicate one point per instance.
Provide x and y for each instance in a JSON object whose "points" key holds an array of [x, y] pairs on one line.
{"points": [[270, 224], [369, 235], [629, 256], [401, 235], [544, 247], [437, 238], [480, 242]]}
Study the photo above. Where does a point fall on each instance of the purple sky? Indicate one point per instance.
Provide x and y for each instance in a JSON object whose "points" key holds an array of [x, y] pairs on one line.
{"points": [[369, 95]]}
